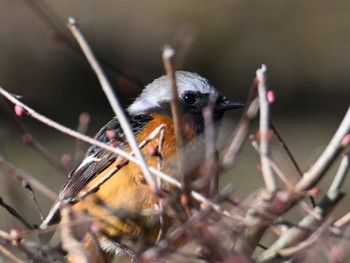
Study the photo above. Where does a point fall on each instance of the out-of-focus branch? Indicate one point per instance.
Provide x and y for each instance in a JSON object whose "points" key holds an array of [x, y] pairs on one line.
{"points": [[242, 129], [21, 175], [316, 172], [15, 214], [295, 235], [118, 110], [176, 112]]}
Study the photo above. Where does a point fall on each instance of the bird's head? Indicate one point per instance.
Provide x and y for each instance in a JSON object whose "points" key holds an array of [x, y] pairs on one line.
{"points": [[194, 91]]}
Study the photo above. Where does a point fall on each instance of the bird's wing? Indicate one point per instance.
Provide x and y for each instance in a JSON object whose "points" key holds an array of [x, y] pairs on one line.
{"points": [[95, 161]]}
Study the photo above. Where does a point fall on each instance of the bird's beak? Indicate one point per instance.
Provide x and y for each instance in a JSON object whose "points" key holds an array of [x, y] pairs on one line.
{"points": [[225, 105]]}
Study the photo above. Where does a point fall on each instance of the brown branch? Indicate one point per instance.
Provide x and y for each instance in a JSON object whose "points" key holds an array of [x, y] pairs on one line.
{"points": [[29, 139], [83, 125], [242, 129], [15, 214], [210, 165], [10, 255], [295, 235], [23, 176], [320, 167], [118, 110], [269, 178], [176, 112]]}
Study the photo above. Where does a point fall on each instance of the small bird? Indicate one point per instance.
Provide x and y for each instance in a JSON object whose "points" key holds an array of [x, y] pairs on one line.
{"points": [[119, 206]]}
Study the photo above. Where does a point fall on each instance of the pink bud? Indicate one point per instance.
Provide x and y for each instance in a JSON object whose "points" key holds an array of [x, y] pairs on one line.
{"points": [[15, 233], [111, 134], [20, 111], [314, 191], [271, 96], [346, 140], [66, 159], [152, 150], [95, 228], [25, 184]]}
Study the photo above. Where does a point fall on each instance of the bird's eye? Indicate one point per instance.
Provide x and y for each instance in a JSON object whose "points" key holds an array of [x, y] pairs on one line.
{"points": [[190, 98]]}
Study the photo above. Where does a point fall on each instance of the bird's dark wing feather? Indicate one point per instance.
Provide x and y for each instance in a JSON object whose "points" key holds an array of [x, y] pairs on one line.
{"points": [[95, 161]]}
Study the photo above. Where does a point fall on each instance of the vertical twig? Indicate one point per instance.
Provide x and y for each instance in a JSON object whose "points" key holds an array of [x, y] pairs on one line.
{"points": [[269, 178], [118, 110], [83, 125], [211, 166], [176, 112]]}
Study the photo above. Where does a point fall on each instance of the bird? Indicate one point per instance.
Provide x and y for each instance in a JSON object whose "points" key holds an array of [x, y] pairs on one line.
{"points": [[118, 207]]}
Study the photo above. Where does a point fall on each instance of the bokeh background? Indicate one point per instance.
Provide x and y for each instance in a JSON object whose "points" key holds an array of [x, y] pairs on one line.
{"points": [[305, 45]]}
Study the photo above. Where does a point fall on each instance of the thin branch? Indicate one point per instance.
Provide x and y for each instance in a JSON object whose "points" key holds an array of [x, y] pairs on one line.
{"points": [[83, 125], [97, 185], [275, 167], [15, 214], [341, 174], [286, 148], [183, 41], [32, 195], [21, 175], [242, 128], [10, 255], [75, 134], [29, 139], [74, 247], [176, 112], [342, 222], [316, 172], [297, 234], [211, 165], [118, 110], [269, 178]]}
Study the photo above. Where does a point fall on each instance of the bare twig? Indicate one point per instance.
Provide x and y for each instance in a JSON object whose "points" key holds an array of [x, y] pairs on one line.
{"points": [[269, 178], [286, 148], [118, 151], [118, 110], [297, 234], [176, 112], [275, 167], [20, 175], [182, 42], [27, 186], [242, 128], [341, 174], [343, 221], [315, 173], [14, 213], [69, 242], [29, 139], [10, 255], [211, 166], [84, 138], [97, 185], [83, 125]]}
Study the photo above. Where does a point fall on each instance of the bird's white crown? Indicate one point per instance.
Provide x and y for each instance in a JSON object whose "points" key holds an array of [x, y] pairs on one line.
{"points": [[159, 91]]}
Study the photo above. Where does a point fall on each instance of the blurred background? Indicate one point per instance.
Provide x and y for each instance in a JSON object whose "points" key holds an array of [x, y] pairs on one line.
{"points": [[305, 45]]}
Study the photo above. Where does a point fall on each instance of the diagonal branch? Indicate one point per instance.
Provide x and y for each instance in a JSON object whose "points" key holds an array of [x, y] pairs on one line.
{"points": [[118, 110]]}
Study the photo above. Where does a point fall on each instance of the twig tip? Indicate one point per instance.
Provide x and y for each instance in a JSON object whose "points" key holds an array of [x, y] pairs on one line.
{"points": [[71, 21], [168, 52]]}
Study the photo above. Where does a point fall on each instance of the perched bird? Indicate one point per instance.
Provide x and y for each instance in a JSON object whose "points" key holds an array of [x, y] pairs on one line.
{"points": [[119, 206]]}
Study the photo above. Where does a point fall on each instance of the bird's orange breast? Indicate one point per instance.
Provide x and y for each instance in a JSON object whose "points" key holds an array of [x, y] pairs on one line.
{"points": [[127, 192]]}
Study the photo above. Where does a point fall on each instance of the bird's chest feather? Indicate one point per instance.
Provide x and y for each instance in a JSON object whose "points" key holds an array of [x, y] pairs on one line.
{"points": [[126, 191]]}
